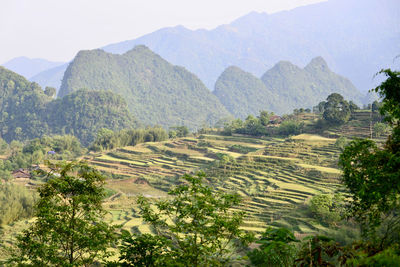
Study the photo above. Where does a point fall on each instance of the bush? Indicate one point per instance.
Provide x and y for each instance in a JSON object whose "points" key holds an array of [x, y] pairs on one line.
{"points": [[290, 127], [276, 249], [328, 208], [16, 202], [341, 142]]}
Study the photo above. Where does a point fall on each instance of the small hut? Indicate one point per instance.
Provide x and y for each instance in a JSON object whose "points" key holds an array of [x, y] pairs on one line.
{"points": [[21, 174], [275, 119]]}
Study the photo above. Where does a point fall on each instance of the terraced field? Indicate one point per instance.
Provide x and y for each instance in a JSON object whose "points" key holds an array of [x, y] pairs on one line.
{"points": [[273, 175], [361, 126]]}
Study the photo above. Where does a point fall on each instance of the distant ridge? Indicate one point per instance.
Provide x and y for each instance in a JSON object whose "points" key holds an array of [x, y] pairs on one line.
{"points": [[306, 87], [357, 39], [29, 67]]}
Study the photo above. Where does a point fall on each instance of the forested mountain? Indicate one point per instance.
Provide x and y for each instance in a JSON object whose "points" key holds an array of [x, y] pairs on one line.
{"points": [[27, 112], [29, 67], [282, 88], [242, 93], [83, 113], [156, 91], [21, 106], [356, 38], [299, 87]]}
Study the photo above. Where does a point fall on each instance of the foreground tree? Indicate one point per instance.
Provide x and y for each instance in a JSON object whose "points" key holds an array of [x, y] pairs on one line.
{"points": [[336, 109], [276, 249], [69, 229], [144, 250], [372, 173], [197, 225]]}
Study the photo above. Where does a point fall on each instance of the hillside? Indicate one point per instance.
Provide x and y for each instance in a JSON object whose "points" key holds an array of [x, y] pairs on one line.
{"points": [[83, 113], [21, 106], [156, 91], [299, 87], [273, 175], [29, 67], [357, 40], [242, 94], [27, 112]]}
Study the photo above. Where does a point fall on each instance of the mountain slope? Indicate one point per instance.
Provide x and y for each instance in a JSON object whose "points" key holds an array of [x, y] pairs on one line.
{"points": [[243, 94], [306, 87], [356, 38], [26, 112], [156, 91], [28, 67]]}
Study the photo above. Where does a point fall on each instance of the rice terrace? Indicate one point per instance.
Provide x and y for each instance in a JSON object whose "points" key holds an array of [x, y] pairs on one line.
{"points": [[200, 133]]}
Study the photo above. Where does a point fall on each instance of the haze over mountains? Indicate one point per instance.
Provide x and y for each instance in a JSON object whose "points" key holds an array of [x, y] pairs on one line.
{"points": [[29, 67], [51, 77], [356, 38]]}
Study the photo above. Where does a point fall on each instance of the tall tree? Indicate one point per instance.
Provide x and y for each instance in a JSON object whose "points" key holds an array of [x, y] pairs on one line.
{"points": [[336, 109], [198, 222], [372, 174], [70, 228]]}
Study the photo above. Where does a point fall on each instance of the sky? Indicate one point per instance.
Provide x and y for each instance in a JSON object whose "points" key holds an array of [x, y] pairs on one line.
{"points": [[57, 29]]}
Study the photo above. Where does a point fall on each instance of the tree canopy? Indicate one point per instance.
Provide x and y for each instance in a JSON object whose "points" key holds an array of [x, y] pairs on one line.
{"points": [[198, 225], [372, 173], [336, 109], [69, 229]]}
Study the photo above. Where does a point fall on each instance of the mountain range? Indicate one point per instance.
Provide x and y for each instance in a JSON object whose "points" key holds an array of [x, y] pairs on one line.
{"points": [[356, 38], [282, 88], [157, 92], [101, 89]]}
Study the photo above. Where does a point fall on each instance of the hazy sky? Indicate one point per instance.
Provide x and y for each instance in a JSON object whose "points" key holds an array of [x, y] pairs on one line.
{"points": [[57, 29]]}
